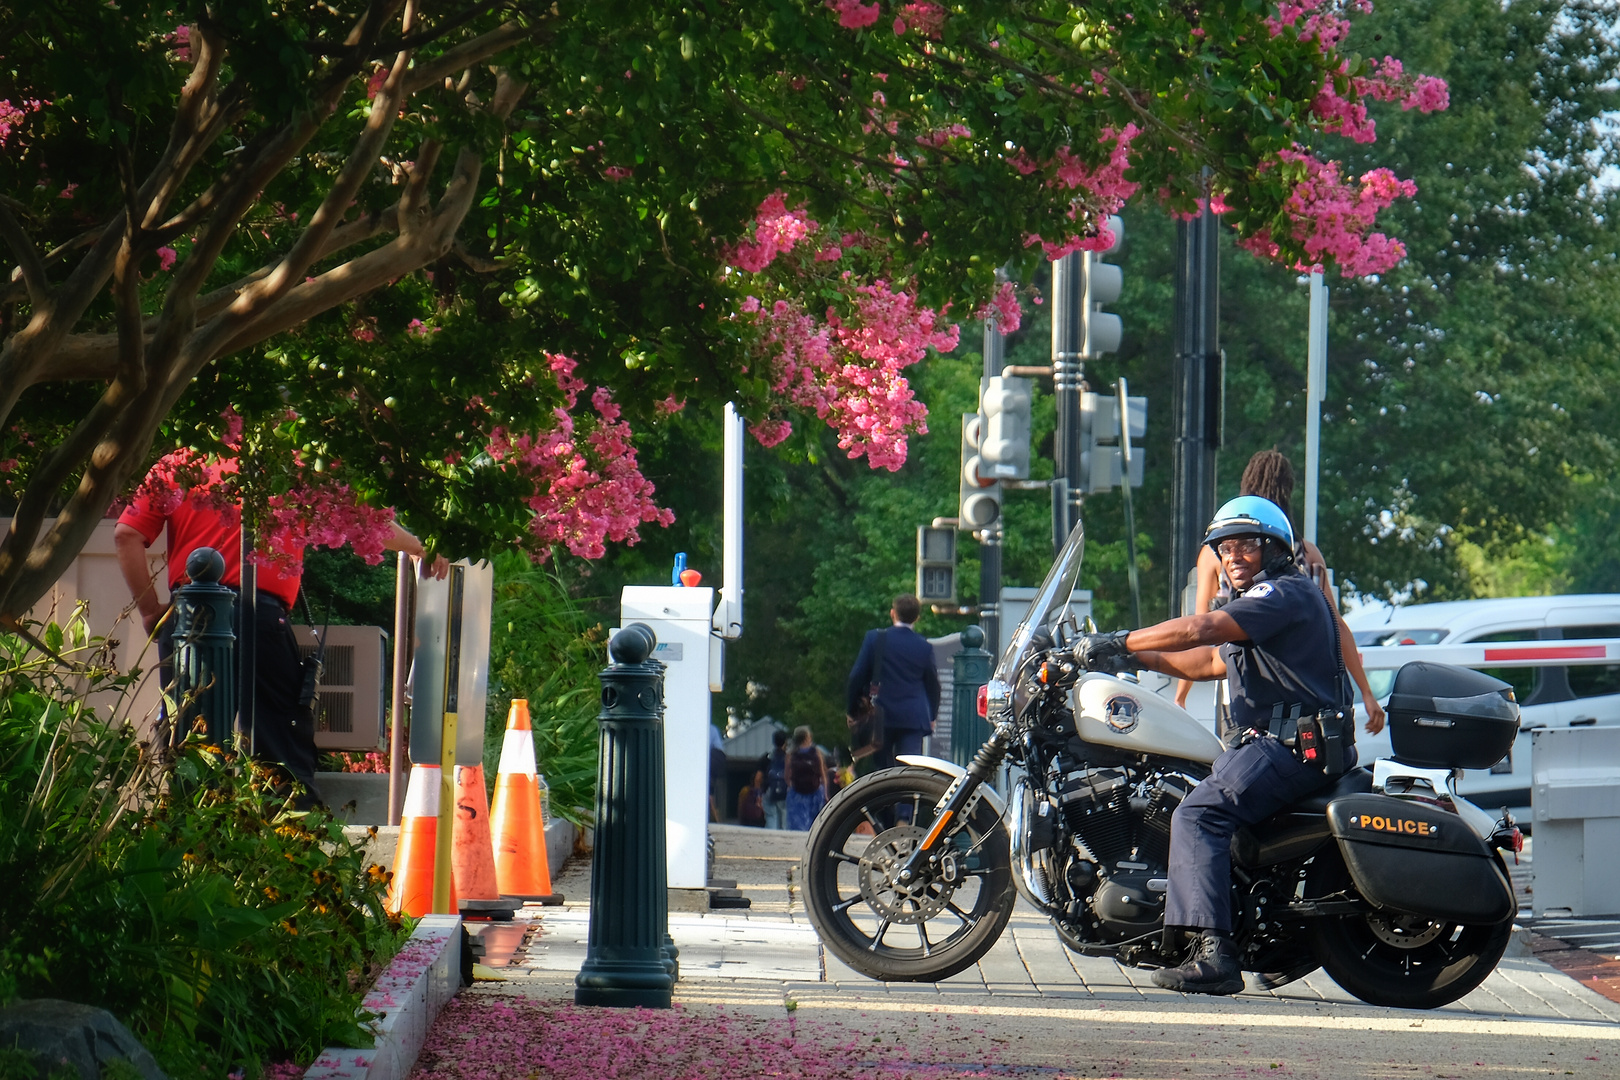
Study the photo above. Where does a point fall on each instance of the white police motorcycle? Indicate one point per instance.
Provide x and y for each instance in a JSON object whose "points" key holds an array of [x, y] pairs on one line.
{"points": [[1386, 878]]}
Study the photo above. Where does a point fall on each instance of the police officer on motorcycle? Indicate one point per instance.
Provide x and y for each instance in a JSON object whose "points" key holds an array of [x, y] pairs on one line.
{"points": [[1292, 728]]}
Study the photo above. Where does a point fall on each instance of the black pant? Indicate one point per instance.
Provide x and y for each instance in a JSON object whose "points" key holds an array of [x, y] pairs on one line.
{"points": [[283, 731], [897, 742]]}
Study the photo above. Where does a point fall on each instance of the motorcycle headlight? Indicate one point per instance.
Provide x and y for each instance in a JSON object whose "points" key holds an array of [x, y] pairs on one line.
{"points": [[998, 697]]}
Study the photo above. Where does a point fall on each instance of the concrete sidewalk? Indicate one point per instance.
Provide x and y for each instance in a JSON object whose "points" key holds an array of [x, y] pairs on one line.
{"points": [[1031, 1006]]}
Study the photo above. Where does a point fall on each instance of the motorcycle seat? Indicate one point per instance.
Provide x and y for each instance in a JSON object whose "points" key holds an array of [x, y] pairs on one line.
{"points": [[1357, 781]]}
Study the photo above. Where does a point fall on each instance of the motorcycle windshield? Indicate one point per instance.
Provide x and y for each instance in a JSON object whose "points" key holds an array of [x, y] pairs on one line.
{"points": [[1047, 610]]}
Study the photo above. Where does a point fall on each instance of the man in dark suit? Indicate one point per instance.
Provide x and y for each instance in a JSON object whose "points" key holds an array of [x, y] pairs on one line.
{"points": [[909, 681]]}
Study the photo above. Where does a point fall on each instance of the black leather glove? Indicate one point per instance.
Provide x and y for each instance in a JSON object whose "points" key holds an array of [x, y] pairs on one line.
{"points": [[1103, 652]]}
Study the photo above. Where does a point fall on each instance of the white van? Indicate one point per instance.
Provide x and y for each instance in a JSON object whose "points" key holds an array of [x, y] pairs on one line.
{"points": [[1548, 696]]}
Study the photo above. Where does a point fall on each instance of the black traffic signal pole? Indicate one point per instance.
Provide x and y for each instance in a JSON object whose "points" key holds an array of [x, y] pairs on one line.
{"points": [[990, 542], [1068, 370], [1196, 392]]}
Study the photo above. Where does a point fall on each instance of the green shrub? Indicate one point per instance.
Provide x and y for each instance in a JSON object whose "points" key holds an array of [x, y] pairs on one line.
{"points": [[544, 647], [172, 888]]}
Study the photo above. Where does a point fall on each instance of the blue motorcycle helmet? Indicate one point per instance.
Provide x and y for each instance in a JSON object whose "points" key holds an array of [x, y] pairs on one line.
{"points": [[1251, 515]]}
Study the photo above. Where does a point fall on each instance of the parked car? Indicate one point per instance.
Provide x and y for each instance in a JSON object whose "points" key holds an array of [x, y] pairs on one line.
{"points": [[1548, 696]]}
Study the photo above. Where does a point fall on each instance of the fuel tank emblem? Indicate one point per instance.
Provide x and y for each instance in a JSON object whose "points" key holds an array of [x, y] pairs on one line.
{"points": [[1122, 713]]}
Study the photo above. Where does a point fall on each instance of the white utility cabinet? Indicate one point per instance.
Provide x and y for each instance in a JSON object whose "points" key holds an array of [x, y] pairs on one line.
{"points": [[682, 618]]}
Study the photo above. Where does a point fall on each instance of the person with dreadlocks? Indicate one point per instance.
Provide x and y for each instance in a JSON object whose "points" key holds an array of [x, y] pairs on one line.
{"points": [[1270, 475]]}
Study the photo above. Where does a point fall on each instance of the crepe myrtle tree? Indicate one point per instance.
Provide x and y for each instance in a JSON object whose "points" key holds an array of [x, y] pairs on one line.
{"points": [[441, 256]]}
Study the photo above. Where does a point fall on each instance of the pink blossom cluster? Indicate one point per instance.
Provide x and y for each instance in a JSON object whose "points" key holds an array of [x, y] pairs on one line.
{"points": [[1387, 82], [180, 39], [848, 369], [1106, 185], [586, 484], [372, 762], [316, 511], [935, 139], [12, 116], [1216, 203], [776, 230], [322, 513], [1009, 314], [1331, 217], [1323, 20], [852, 14], [928, 19]]}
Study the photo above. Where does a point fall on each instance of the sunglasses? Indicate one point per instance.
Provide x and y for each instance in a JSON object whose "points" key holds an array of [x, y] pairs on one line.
{"points": [[1243, 545]]}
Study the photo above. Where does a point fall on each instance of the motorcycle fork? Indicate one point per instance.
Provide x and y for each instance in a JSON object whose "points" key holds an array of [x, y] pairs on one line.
{"points": [[959, 801]]}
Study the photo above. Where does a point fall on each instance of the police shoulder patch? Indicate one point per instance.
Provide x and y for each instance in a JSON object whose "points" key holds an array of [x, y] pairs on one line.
{"points": [[1261, 591]]}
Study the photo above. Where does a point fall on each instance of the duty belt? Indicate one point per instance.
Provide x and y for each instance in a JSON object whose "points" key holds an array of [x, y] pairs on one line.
{"points": [[1317, 739]]}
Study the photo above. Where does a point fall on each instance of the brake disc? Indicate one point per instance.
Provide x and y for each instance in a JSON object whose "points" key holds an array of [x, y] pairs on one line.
{"points": [[1404, 931], [914, 903]]}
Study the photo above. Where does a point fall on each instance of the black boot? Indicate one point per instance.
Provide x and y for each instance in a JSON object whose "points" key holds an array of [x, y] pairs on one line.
{"points": [[1211, 969]]}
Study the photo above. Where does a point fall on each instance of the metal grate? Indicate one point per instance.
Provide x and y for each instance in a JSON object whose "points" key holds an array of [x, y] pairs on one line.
{"points": [[338, 667], [335, 711]]}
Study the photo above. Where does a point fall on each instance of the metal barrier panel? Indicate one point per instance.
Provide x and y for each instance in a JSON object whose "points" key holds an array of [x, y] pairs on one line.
{"points": [[1577, 820]]}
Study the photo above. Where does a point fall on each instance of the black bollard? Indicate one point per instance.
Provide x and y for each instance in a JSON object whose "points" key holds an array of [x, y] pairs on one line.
{"points": [[969, 730], [672, 953], [205, 646], [625, 959]]}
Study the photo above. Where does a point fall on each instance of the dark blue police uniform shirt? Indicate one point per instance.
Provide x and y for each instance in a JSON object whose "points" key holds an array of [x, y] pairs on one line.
{"points": [[1289, 657]]}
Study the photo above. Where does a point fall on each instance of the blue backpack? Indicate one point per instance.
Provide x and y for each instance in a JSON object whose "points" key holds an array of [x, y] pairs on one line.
{"points": [[776, 777]]}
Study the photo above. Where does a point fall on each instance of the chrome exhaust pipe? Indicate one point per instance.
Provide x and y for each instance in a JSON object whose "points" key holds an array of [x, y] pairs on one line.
{"points": [[1031, 879]]}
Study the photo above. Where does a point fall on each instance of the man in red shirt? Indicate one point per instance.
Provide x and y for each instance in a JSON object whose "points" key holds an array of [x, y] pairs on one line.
{"points": [[284, 730]]}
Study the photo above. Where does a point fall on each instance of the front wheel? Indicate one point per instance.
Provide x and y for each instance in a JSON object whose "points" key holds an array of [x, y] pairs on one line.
{"points": [[885, 930], [1403, 961]]}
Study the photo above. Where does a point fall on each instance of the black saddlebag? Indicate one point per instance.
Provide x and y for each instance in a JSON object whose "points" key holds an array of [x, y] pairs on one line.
{"points": [[1419, 860]]}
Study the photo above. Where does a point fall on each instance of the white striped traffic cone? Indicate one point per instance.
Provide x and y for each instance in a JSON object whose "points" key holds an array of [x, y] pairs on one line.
{"points": [[411, 890], [521, 867]]}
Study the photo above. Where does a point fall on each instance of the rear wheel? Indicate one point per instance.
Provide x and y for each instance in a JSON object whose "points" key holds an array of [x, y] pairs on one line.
{"points": [[885, 930], [1404, 961]]}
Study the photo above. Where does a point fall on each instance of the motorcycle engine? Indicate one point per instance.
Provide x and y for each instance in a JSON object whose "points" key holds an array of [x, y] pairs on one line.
{"points": [[1124, 827]]}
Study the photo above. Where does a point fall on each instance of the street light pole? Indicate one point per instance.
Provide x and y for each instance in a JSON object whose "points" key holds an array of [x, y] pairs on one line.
{"points": [[1315, 391]]}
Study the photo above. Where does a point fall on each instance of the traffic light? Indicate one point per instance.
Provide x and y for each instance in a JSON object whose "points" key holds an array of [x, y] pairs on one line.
{"points": [[1100, 456], [978, 493], [1103, 331], [1004, 451], [936, 565]]}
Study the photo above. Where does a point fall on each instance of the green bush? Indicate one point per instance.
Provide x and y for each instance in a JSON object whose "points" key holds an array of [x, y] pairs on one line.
{"points": [[544, 647], [171, 888]]}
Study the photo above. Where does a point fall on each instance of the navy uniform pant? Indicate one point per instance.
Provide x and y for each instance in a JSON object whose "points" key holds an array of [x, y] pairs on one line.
{"points": [[1246, 785]]}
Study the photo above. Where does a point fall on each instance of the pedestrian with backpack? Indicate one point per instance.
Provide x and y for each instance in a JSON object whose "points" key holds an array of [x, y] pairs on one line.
{"points": [[807, 781], [776, 785]]}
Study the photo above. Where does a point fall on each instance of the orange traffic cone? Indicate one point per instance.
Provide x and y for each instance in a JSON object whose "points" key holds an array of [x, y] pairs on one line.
{"points": [[472, 857], [521, 867], [411, 891]]}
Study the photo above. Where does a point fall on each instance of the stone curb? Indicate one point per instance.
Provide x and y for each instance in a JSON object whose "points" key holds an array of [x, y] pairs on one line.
{"points": [[408, 996]]}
